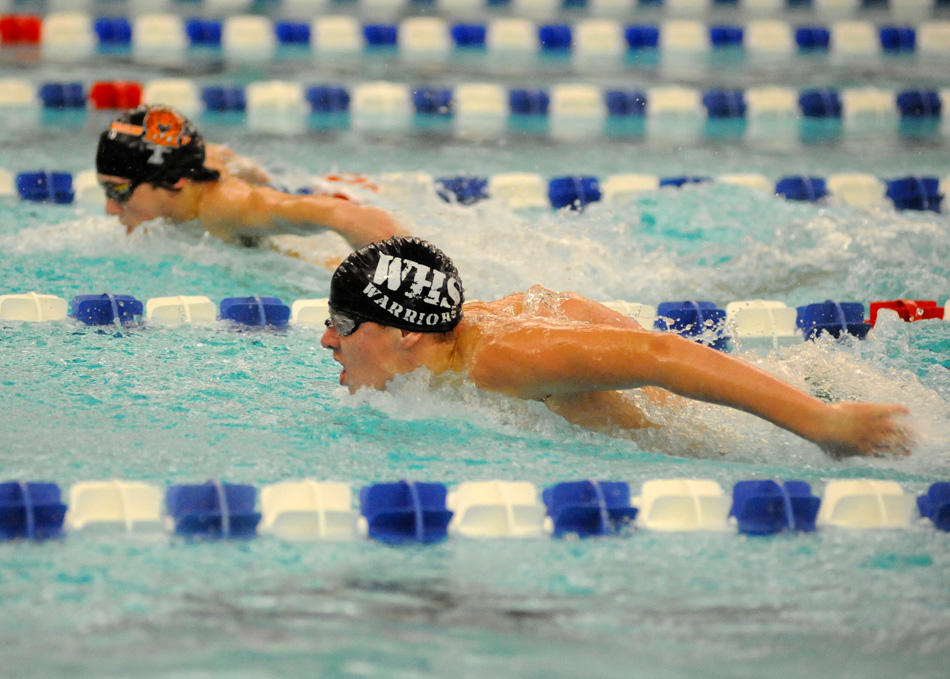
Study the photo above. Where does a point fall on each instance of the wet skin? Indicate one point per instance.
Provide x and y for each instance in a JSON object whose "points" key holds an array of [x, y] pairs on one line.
{"points": [[578, 367]]}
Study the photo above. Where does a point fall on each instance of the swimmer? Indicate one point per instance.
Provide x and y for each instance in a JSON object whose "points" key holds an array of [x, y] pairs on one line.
{"points": [[397, 305], [152, 164]]}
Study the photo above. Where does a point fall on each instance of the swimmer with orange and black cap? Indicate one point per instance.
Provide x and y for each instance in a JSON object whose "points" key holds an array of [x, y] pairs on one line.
{"points": [[152, 163], [398, 305]]}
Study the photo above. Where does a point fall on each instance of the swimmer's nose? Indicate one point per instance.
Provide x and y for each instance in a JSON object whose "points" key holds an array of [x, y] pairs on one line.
{"points": [[112, 207], [330, 339]]}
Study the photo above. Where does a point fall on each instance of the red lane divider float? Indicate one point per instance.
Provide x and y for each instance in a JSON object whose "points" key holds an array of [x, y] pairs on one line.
{"points": [[116, 94], [909, 309], [20, 29]]}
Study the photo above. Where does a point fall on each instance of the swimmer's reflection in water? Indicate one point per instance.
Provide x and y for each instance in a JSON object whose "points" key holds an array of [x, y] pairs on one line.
{"points": [[152, 163], [397, 305]]}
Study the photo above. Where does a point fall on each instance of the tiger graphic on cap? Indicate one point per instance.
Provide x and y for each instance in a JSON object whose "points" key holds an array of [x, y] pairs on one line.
{"points": [[165, 127]]}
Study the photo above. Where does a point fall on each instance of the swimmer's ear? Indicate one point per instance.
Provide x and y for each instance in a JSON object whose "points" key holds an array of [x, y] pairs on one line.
{"points": [[176, 187], [409, 338]]}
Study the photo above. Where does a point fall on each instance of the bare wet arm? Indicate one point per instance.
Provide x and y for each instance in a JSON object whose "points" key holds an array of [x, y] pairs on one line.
{"points": [[541, 360], [261, 211]]}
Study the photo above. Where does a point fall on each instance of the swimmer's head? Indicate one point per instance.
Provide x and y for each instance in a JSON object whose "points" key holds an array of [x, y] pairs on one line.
{"points": [[153, 144], [404, 282]]}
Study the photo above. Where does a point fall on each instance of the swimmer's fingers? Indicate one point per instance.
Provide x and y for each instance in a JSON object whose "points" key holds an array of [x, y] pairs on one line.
{"points": [[888, 433], [893, 438], [870, 429]]}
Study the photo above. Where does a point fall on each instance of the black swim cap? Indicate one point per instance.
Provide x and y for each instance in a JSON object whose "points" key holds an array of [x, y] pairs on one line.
{"points": [[153, 144], [404, 282]]}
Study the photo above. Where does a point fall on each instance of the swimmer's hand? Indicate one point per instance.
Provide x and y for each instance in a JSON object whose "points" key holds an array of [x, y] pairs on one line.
{"points": [[865, 429]]}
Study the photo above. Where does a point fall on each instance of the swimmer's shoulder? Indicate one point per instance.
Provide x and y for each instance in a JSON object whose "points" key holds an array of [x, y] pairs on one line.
{"points": [[230, 164], [223, 206], [231, 198], [487, 322], [511, 305]]}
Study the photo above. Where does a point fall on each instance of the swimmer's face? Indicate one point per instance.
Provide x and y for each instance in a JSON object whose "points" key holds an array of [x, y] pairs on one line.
{"points": [[141, 203], [370, 356]]}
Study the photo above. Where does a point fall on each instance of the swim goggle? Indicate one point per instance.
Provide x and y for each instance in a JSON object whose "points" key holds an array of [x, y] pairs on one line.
{"points": [[344, 324], [120, 192]]}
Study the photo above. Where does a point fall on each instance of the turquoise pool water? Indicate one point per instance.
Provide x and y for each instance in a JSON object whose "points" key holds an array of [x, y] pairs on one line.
{"points": [[186, 404]]}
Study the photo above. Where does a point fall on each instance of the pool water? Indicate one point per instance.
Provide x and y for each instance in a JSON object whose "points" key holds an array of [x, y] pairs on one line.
{"points": [[185, 404]]}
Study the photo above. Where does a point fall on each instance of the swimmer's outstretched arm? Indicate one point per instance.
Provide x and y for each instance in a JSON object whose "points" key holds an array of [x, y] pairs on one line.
{"points": [[236, 208], [538, 360]]}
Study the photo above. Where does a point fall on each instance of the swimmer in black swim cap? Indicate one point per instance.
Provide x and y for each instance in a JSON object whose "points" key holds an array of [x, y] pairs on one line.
{"points": [[396, 306], [152, 144], [406, 283], [152, 163]]}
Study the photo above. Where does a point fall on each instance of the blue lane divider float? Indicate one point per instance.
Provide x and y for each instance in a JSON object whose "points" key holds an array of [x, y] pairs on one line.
{"points": [[898, 39], [213, 510], [220, 99], [915, 193], [406, 512], [642, 37], [679, 182], [463, 190], [724, 37], [769, 507], [62, 95], [381, 35], [113, 32], [326, 100], [588, 508], [724, 104], [433, 101], [293, 33], [833, 317], [105, 309], [935, 505], [703, 321], [625, 103], [813, 38], [555, 38], [525, 102], [809, 189], [46, 187], [255, 311], [203, 33], [469, 36], [573, 192], [919, 104], [31, 510], [821, 103]]}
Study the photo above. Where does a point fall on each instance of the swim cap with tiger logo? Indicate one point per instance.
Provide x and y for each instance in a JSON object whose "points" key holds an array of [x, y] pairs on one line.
{"points": [[154, 144], [165, 127]]}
